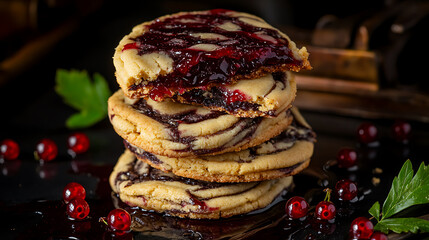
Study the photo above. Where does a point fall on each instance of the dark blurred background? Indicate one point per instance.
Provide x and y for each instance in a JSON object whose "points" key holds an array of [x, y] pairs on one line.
{"points": [[368, 56]]}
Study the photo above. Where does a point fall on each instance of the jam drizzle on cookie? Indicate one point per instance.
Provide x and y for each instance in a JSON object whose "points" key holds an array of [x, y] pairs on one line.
{"points": [[212, 48], [231, 101]]}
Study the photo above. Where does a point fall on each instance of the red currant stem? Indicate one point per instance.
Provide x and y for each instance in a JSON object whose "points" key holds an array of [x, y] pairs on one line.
{"points": [[328, 194], [380, 217], [36, 156], [103, 220]]}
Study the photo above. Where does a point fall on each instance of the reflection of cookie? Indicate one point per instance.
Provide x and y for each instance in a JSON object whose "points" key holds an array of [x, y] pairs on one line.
{"points": [[148, 224], [140, 185], [284, 155], [176, 53], [179, 130], [264, 96]]}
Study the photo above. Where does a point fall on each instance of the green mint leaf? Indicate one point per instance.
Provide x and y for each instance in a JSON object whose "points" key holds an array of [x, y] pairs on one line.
{"points": [[407, 190], [399, 225], [86, 96], [375, 211]]}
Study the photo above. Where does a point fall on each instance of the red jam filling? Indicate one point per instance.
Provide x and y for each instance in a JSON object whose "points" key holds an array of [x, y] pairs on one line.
{"points": [[234, 96], [239, 52]]}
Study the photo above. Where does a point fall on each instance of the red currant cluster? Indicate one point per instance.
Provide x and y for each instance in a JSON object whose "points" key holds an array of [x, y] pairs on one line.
{"points": [[297, 207], [46, 149], [74, 195], [368, 133], [346, 190], [362, 228]]}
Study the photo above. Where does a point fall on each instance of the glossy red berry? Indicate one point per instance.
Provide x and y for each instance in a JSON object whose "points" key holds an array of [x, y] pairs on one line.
{"points": [[325, 210], [401, 131], [296, 207], [361, 228], [367, 133], [72, 191], [78, 143], [9, 149], [378, 236], [346, 158], [46, 150], [119, 220], [78, 208], [346, 190]]}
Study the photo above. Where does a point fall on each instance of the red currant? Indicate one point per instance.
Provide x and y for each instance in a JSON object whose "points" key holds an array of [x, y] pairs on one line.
{"points": [[9, 149], [119, 220], [367, 133], [401, 130], [72, 191], [46, 150], [361, 228], [296, 207], [378, 236], [346, 157], [78, 143], [78, 208], [325, 210], [346, 190]]}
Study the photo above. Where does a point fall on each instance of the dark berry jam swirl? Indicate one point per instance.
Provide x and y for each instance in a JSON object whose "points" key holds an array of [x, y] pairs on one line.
{"points": [[238, 54], [246, 126], [231, 101], [137, 172]]}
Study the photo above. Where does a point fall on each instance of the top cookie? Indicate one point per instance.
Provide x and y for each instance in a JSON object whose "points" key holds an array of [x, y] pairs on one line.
{"points": [[177, 53]]}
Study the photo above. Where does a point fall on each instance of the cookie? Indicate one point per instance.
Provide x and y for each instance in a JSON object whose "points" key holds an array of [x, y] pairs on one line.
{"points": [[198, 50], [179, 130], [140, 185], [284, 155], [264, 96]]}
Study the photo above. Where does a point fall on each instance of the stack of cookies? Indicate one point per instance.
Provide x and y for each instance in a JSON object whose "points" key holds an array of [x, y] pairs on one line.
{"points": [[205, 111]]}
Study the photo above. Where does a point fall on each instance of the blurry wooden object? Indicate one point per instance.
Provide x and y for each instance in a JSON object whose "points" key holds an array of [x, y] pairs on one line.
{"points": [[361, 64], [345, 64], [389, 104], [16, 16], [30, 29], [32, 52]]}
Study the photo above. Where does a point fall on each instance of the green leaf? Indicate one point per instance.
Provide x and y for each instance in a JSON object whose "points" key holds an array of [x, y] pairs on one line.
{"points": [[399, 225], [375, 211], [407, 190], [83, 119], [79, 92], [102, 89]]}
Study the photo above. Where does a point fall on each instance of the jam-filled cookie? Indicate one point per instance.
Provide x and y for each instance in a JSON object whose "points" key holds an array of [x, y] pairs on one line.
{"points": [[264, 96], [284, 155], [140, 185], [176, 53], [179, 130]]}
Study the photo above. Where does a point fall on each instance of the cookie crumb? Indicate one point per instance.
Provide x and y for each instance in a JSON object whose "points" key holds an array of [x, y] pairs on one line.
{"points": [[377, 171], [375, 181]]}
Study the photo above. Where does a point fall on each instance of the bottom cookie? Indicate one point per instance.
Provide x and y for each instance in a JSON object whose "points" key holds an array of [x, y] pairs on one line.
{"points": [[140, 185]]}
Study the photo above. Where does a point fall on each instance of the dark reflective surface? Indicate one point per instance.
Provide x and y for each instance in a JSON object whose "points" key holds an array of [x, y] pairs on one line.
{"points": [[31, 193]]}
